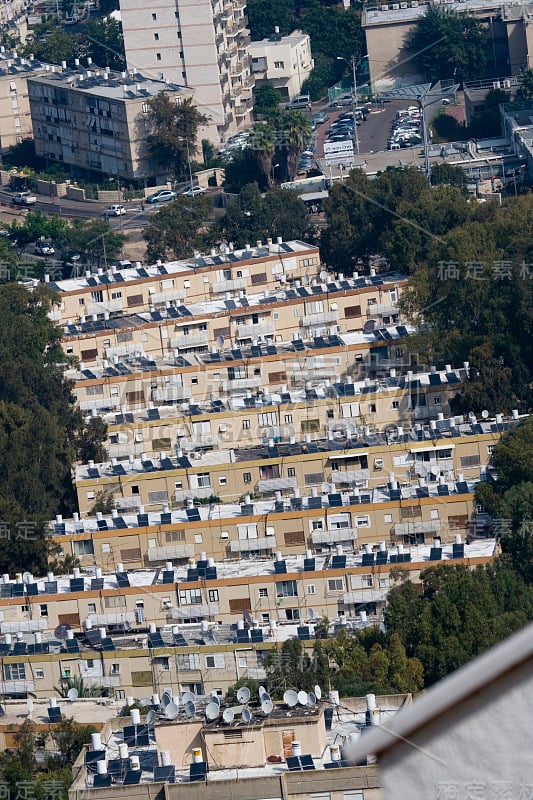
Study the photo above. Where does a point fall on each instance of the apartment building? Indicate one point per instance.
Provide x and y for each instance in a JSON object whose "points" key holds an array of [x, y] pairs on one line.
{"points": [[387, 27], [352, 456], [94, 121], [201, 44], [285, 62], [227, 273], [197, 627]]}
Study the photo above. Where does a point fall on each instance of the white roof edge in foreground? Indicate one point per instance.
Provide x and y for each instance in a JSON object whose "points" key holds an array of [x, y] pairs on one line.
{"points": [[446, 694]]}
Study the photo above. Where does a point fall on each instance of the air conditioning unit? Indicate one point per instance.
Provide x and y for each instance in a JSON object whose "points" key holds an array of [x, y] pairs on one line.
{"points": [[378, 463], [166, 604]]}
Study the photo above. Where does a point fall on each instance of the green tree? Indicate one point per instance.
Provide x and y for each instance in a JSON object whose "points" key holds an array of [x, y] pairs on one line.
{"points": [[265, 15], [512, 457], [95, 240], [243, 169], [173, 231], [174, 128], [262, 145], [445, 44], [334, 31], [449, 175], [292, 133], [267, 99], [59, 46], [525, 91], [106, 43], [326, 71], [69, 738]]}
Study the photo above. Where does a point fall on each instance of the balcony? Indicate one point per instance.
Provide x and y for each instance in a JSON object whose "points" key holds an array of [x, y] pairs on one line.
{"points": [[107, 681], [189, 494], [240, 384], [256, 330], [334, 536], [268, 485], [101, 308], [237, 69], [351, 476], [423, 469], [199, 442], [168, 553], [17, 687], [323, 318], [171, 392], [248, 545], [243, 108], [192, 612], [160, 298], [410, 528], [127, 503], [112, 619], [383, 309], [186, 340], [369, 595], [237, 284], [100, 403], [248, 82], [231, 50]]}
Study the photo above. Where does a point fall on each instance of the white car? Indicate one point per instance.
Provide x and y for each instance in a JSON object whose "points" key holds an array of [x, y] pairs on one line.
{"points": [[194, 190], [24, 199], [115, 211], [44, 248]]}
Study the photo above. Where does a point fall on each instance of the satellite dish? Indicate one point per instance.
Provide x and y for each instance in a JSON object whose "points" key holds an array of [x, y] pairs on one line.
{"points": [[266, 705], [318, 692], [261, 691], [166, 699], [61, 631], [228, 716], [311, 613], [302, 698], [247, 618], [264, 696], [471, 416], [323, 274], [150, 717], [485, 414], [145, 701], [311, 700], [29, 705], [214, 698], [290, 698], [212, 710], [246, 716], [26, 577], [72, 694], [171, 711], [243, 695], [370, 326], [188, 697], [190, 709], [220, 341]]}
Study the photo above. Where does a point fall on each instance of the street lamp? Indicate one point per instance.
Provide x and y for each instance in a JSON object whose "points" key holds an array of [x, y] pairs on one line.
{"points": [[353, 63]]}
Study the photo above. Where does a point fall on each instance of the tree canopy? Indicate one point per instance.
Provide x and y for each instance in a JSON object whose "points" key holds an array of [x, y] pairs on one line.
{"points": [[173, 133], [173, 232], [445, 44]]}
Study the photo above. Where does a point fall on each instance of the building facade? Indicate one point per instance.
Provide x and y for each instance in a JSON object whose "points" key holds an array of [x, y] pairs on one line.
{"points": [[94, 121], [283, 61], [198, 43]]}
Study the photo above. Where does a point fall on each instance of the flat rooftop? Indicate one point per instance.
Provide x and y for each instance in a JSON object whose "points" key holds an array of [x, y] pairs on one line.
{"points": [[390, 13], [89, 711], [111, 85]]}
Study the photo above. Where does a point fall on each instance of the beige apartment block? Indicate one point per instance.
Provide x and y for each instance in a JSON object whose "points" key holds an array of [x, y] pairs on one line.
{"points": [[228, 274], [285, 62], [351, 458], [266, 318], [168, 629], [94, 120], [201, 44], [245, 421]]}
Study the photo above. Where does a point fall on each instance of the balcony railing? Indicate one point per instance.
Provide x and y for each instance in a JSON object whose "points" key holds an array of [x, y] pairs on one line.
{"points": [[168, 296], [101, 308], [322, 318], [350, 475], [252, 331], [334, 536], [248, 545], [410, 528], [189, 494], [170, 552], [228, 286], [112, 619], [238, 384], [17, 687], [190, 612], [172, 392], [185, 340], [276, 484]]}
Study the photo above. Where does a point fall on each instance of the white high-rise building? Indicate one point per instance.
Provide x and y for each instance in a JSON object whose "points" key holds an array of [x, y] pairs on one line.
{"points": [[197, 43]]}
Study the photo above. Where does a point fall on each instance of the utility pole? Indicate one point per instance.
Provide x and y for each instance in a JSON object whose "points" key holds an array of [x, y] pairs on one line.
{"points": [[354, 103]]}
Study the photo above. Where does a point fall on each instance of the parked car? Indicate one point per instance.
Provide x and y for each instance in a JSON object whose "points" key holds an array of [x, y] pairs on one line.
{"points": [[115, 211], [300, 102], [194, 190], [320, 117], [44, 248], [24, 199], [161, 196]]}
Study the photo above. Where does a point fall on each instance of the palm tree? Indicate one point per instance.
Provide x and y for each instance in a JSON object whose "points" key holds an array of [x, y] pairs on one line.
{"points": [[83, 689], [262, 142], [293, 131]]}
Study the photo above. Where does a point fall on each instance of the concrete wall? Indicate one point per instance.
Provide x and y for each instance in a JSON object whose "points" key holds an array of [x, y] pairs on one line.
{"points": [[74, 193]]}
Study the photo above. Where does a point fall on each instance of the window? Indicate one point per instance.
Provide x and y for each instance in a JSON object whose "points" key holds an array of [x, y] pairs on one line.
{"points": [[204, 481], [265, 619], [286, 589], [292, 614], [222, 481], [15, 672], [267, 419], [213, 595], [247, 477], [44, 609], [387, 518], [279, 65], [437, 400], [162, 662], [190, 597], [335, 585], [288, 419], [97, 297], [115, 669], [188, 661], [115, 601], [91, 608], [116, 295], [317, 525], [291, 472], [154, 17], [310, 588], [263, 592], [135, 490], [158, 56], [39, 674], [215, 661], [246, 424], [156, 37], [490, 449], [395, 404]]}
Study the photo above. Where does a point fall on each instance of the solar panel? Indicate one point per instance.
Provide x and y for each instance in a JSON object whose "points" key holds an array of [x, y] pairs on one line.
{"points": [[298, 345], [314, 502], [395, 494], [168, 576], [280, 567], [148, 466], [368, 559], [132, 777], [92, 756], [462, 487], [381, 558], [165, 519], [319, 341], [184, 311], [93, 473], [198, 771], [94, 638], [193, 574], [293, 764], [32, 589], [458, 551], [338, 562], [279, 506], [153, 413], [443, 490], [217, 406], [97, 584], [271, 350], [179, 640], [122, 580], [309, 564], [193, 514], [256, 635], [256, 351], [296, 503], [101, 781], [434, 379], [422, 491], [119, 523], [54, 714], [435, 554], [108, 644], [237, 354], [166, 463], [307, 762], [117, 766], [311, 394], [72, 646], [335, 500], [20, 649], [77, 584], [335, 341], [102, 525], [243, 636], [155, 640], [184, 462], [166, 774]]}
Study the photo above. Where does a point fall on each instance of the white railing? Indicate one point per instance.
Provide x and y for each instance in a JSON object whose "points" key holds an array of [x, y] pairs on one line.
{"points": [[253, 331], [238, 284], [170, 552], [321, 318], [334, 536], [198, 339], [277, 484], [247, 545]]}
